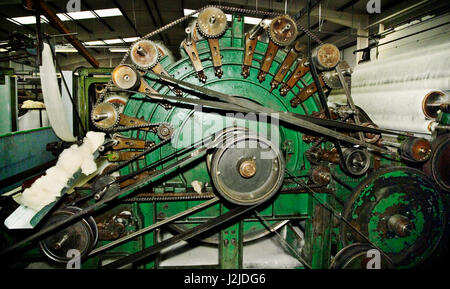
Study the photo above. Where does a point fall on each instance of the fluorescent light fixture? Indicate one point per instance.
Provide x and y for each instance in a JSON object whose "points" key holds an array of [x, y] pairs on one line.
{"points": [[74, 15], [3, 50], [97, 42], [65, 49], [110, 41], [247, 20], [26, 20], [121, 50], [130, 39]]}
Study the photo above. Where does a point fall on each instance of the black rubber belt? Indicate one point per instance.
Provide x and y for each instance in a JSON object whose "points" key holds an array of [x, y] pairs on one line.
{"points": [[283, 116], [211, 224]]}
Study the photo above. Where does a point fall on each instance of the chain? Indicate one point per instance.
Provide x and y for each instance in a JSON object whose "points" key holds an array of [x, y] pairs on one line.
{"points": [[184, 18], [153, 197], [137, 126]]}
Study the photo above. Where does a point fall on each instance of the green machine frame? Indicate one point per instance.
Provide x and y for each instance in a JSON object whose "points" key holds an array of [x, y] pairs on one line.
{"points": [[321, 227]]}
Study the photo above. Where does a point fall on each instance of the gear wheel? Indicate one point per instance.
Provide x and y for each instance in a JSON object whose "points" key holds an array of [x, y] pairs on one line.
{"points": [[212, 22], [145, 54], [164, 131], [105, 116], [331, 78], [125, 77], [283, 30]]}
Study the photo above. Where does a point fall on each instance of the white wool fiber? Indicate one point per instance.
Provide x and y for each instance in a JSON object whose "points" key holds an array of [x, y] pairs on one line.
{"points": [[46, 188]]}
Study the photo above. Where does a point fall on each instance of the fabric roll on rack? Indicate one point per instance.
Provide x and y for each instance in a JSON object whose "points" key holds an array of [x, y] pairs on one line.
{"points": [[392, 90]]}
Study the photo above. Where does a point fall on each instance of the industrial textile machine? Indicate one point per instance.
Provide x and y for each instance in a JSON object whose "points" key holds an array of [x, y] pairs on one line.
{"points": [[235, 142]]}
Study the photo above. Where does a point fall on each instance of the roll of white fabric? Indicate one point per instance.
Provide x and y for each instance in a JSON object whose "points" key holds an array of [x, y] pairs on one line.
{"points": [[391, 90], [52, 97]]}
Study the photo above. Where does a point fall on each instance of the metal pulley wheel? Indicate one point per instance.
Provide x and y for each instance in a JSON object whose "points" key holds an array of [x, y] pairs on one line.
{"points": [[247, 169], [81, 236], [144, 54], [105, 116], [400, 211], [331, 78], [283, 30], [126, 77], [438, 165], [326, 56], [416, 149], [212, 22], [360, 256], [434, 102], [355, 162]]}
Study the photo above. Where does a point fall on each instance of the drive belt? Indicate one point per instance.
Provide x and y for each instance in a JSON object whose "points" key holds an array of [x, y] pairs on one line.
{"points": [[281, 115], [189, 234]]}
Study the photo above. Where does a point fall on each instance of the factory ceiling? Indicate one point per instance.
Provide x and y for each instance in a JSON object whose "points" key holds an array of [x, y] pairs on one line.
{"points": [[138, 17]]}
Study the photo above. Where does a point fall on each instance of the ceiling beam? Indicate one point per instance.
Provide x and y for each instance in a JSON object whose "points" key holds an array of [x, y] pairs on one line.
{"points": [[152, 18], [160, 19], [125, 16], [103, 21], [340, 8], [57, 8], [59, 25]]}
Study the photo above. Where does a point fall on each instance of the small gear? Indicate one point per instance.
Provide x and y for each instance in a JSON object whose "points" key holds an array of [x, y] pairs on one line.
{"points": [[283, 30], [145, 54], [164, 131], [331, 78], [105, 116], [125, 77], [212, 22]]}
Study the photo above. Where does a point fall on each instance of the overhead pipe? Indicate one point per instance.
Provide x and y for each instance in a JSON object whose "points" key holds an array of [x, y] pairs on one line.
{"points": [[59, 25]]}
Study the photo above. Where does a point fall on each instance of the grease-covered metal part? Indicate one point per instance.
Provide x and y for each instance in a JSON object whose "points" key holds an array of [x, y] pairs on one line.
{"points": [[356, 162], [104, 186], [306, 93], [320, 175], [376, 204], [301, 70], [283, 30], [331, 78], [212, 24], [164, 131], [371, 137], [190, 47], [144, 54], [294, 52], [416, 149], [251, 39], [122, 142], [434, 102], [326, 56], [105, 116]]}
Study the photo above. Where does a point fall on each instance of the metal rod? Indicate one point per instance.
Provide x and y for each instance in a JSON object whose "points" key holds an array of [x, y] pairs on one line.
{"points": [[59, 25], [195, 231], [154, 226]]}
